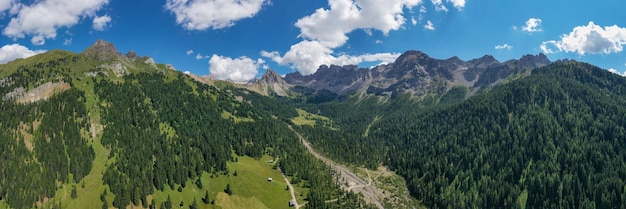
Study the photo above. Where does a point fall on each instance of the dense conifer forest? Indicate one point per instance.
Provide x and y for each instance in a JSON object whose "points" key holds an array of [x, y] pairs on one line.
{"points": [[552, 139]]}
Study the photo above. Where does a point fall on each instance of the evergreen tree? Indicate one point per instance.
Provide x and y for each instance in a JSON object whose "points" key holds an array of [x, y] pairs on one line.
{"points": [[74, 193], [228, 190], [168, 202], [205, 199], [194, 204]]}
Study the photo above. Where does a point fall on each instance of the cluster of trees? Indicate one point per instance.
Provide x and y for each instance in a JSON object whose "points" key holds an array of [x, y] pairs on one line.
{"points": [[42, 142], [163, 132], [553, 139]]}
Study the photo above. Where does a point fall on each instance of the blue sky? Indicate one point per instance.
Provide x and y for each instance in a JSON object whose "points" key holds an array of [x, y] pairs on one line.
{"points": [[239, 39]]}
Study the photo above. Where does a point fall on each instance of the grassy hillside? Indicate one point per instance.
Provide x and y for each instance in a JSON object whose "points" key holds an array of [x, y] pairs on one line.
{"points": [[127, 133]]}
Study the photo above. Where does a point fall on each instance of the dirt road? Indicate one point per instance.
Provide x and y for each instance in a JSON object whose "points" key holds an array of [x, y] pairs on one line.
{"points": [[355, 183], [291, 190]]}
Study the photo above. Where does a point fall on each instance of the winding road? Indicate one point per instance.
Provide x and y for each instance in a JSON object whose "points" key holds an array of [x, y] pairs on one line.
{"points": [[355, 183], [291, 190]]}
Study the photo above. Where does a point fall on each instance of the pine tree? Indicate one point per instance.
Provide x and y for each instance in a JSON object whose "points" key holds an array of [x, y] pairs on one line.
{"points": [[74, 193], [168, 202], [194, 204], [206, 197], [228, 190]]}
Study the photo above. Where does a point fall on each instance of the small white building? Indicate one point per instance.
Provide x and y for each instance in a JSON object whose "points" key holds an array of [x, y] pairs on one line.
{"points": [[270, 179], [292, 203]]}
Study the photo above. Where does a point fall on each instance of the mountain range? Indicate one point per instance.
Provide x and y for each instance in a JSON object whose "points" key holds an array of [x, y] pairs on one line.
{"points": [[413, 73], [105, 129]]}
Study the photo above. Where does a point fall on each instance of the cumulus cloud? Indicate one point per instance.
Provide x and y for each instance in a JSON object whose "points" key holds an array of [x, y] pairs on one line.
{"points": [[459, 4], [613, 70], [67, 41], [189, 52], [327, 29], [439, 5], [532, 25], [240, 69], [215, 14], [429, 25], [504, 46], [14, 51], [330, 26], [5, 4], [591, 39], [27, 19], [307, 56], [101, 23]]}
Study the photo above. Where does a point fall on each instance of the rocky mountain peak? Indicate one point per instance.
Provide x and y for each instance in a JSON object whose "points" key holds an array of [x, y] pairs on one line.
{"points": [[102, 50], [271, 77], [455, 59], [484, 62], [533, 61], [412, 55]]}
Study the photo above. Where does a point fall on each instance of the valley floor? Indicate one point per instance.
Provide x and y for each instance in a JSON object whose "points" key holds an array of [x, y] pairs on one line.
{"points": [[387, 192]]}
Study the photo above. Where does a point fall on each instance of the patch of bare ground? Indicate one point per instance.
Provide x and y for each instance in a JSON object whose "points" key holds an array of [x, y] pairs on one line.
{"points": [[382, 187], [43, 92], [347, 179], [395, 193], [25, 131]]}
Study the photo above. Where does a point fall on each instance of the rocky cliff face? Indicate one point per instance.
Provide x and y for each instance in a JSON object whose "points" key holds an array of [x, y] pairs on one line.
{"points": [[416, 73], [270, 82], [103, 50]]}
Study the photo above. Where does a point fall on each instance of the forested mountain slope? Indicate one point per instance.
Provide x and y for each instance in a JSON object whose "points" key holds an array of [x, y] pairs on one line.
{"points": [[554, 139], [139, 134]]}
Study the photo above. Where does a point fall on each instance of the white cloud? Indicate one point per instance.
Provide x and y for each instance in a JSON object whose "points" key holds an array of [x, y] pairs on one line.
{"points": [[439, 5], [215, 14], [429, 25], [613, 70], [550, 47], [14, 51], [504, 46], [189, 52], [67, 41], [413, 21], [591, 39], [100, 23], [5, 4], [307, 56], [200, 56], [327, 29], [27, 19], [532, 25], [239, 69], [330, 26], [459, 4], [378, 41]]}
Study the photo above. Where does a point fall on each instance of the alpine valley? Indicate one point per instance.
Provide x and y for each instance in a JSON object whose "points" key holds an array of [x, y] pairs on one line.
{"points": [[102, 129]]}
